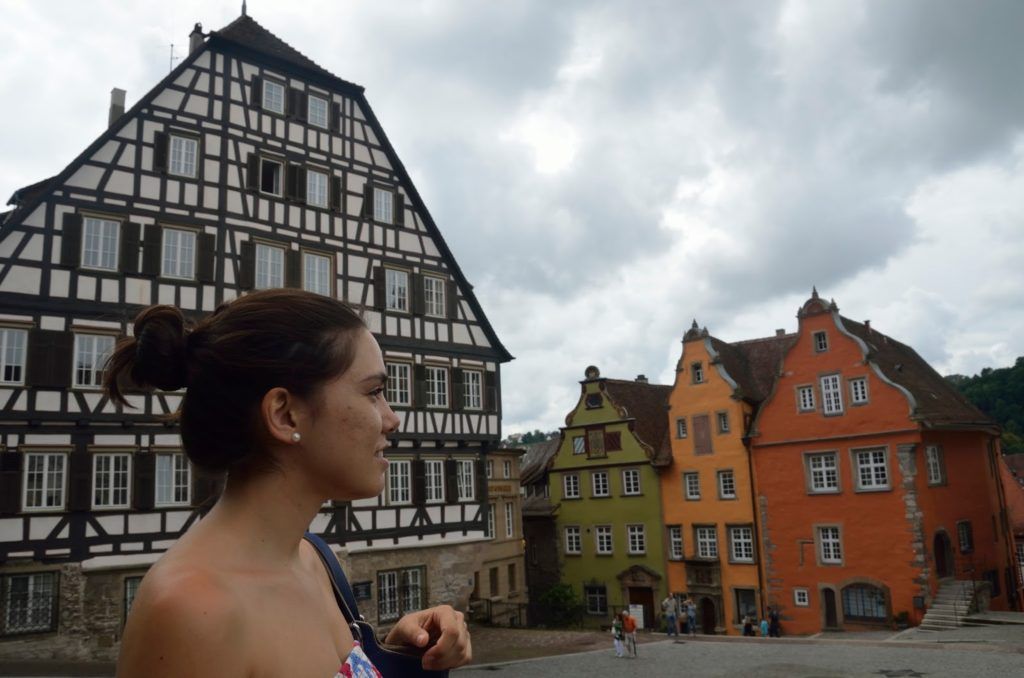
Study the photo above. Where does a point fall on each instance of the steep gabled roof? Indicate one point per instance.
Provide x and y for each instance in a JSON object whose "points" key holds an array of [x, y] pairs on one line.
{"points": [[763, 360], [936, 402], [535, 460], [646, 403]]}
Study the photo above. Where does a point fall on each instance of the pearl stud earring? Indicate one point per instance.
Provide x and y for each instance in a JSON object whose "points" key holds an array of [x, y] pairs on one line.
{"points": [[296, 437]]}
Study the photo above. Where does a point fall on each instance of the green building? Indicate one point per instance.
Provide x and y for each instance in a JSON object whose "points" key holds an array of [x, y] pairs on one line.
{"points": [[604, 481]]}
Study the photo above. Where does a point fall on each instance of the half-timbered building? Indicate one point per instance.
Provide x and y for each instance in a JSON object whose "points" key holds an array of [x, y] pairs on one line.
{"points": [[249, 166]]}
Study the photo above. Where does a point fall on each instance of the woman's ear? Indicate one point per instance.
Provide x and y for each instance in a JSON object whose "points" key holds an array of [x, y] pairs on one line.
{"points": [[278, 412]]}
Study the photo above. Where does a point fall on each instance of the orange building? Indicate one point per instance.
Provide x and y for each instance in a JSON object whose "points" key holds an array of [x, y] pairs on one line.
{"points": [[707, 492], [877, 482]]}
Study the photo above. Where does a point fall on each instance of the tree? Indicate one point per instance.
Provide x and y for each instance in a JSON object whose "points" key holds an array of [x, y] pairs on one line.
{"points": [[999, 393]]}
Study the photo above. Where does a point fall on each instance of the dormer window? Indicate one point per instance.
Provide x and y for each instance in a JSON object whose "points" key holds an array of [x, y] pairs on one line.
{"points": [[273, 97], [820, 342], [697, 372]]}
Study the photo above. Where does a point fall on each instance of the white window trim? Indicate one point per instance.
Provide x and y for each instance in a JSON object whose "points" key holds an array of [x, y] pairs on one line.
{"points": [[383, 205], [855, 454], [606, 531], [438, 474], [809, 458], [837, 544], [506, 468], [722, 475], [510, 521], [437, 386], [691, 496], [640, 532], [181, 233], [263, 267], [831, 395], [706, 537], [267, 84], [933, 456], [101, 223], [325, 289], [575, 482], [681, 429], [396, 290], [472, 389], [94, 486], [98, 359], [47, 455], [854, 400], [734, 544], [491, 510], [397, 494], [185, 140], [5, 334], [313, 192], [579, 445], [576, 541], [631, 472], [434, 302], [594, 476], [327, 111], [280, 176], [403, 396], [801, 390], [466, 479], [820, 346], [806, 597], [174, 458], [675, 542]]}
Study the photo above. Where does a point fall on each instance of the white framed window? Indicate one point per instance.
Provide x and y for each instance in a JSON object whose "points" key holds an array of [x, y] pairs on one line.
{"points": [[723, 421], [29, 602], [316, 111], [399, 482], [572, 539], [179, 254], [437, 386], [741, 544], [691, 485], [316, 273], [273, 97], [603, 539], [726, 485], [433, 296], [491, 510], [805, 398], [44, 481], [12, 355], [697, 373], [433, 476], [466, 479], [631, 481], [675, 542], [411, 589], [387, 595], [396, 290], [269, 266], [823, 472], [571, 486], [270, 176], [830, 547], [935, 464], [111, 474], [91, 353], [316, 188], [820, 341], [383, 205], [681, 431], [399, 385], [872, 469], [472, 389], [637, 536], [173, 479], [707, 541], [599, 484], [859, 390], [506, 469], [597, 599], [183, 156], [579, 445], [831, 394], [100, 243], [801, 597], [510, 521]]}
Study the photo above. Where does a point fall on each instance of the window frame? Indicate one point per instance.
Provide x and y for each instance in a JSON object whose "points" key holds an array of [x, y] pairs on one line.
{"points": [[263, 274], [174, 486], [695, 476], [626, 474], [383, 207], [399, 493], [112, 473], [722, 475], [308, 255], [278, 182], [596, 593], [854, 400], [681, 429], [465, 477], [831, 407], [435, 302], [403, 601], [46, 474], [472, 389], [604, 532], [705, 539], [510, 524], [824, 543], [490, 527], [130, 588], [178, 264], [697, 375], [32, 611], [506, 468], [184, 139], [594, 476], [264, 98], [934, 456], [809, 471], [675, 542], [855, 459], [636, 539], [396, 290], [579, 445], [575, 481], [965, 536], [722, 422], [20, 353], [95, 221], [806, 597], [98, 359], [572, 537], [747, 542], [881, 602], [310, 96], [801, 391], [820, 341], [314, 193], [437, 386]]}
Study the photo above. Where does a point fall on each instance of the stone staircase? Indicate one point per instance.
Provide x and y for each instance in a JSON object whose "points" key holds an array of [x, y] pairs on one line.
{"points": [[952, 604]]}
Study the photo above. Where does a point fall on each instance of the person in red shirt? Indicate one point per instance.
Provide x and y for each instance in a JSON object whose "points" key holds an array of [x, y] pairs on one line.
{"points": [[629, 627]]}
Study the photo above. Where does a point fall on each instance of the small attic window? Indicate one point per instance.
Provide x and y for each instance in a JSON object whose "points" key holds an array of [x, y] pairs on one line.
{"points": [[593, 401], [820, 341], [273, 97], [697, 373]]}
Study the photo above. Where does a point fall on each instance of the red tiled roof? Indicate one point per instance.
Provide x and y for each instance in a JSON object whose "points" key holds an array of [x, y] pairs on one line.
{"points": [[754, 363], [647, 405]]}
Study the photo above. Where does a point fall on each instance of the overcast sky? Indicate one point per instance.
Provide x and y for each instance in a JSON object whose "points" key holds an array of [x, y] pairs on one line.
{"points": [[605, 172]]}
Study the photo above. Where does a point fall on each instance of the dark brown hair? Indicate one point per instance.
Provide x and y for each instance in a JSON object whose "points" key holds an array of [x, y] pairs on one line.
{"points": [[229, 360]]}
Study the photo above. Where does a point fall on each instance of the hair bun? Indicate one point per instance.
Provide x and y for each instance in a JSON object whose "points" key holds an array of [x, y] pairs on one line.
{"points": [[160, 349]]}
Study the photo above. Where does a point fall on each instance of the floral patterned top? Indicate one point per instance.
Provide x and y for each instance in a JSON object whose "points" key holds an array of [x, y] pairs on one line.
{"points": [[358, 665]]}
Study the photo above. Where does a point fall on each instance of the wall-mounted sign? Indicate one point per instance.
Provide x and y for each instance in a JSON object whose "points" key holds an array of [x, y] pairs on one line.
{"points": [[361, 590]]}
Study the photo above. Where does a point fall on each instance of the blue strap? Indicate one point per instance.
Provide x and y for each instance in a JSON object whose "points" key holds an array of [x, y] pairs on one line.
{"points": [[350, 609]]}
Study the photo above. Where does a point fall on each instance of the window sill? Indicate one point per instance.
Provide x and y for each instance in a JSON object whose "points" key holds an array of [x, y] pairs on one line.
{"points": [[825, 492], [868, 490]]}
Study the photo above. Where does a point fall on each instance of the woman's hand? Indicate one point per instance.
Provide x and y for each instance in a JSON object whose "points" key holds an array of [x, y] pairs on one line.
{"points": [[443, 629]]}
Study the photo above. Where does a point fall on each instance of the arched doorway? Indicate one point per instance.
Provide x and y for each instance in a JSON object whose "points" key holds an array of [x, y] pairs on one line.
{"points": [[943, 551], [831, 619], [708, 616]]}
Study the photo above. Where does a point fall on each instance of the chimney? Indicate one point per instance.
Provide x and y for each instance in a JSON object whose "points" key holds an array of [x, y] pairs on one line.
{"points": [[116, 105], [780, 333], [641, 379], [867, 324], [195, 38]]}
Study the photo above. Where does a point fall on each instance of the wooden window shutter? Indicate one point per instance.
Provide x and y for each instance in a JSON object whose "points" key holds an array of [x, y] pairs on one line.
{"points": [[457, 392], [252, 172], [417, 294], [80, 487], [480, 484], [296, 104], [451, 300], [161, 143], [399, 207], [257, 92], [152, 250], [10, 482], [451, 472], [247, 266], [71, 239], [701, 434], [49, 358], [612, 441], [143, 487], [420, 383], [378, 288], [293, 268], [205, 487], [130, 242], [490, 393], [291, 182], [334, 124], [367, 211], [419, 482], [335, 193], [206, 257]]}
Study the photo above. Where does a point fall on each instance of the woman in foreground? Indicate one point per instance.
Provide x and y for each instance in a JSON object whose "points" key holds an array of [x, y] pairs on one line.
{"points": [[285, 393]]}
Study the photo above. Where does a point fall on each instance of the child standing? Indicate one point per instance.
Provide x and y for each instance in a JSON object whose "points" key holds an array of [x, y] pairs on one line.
{"points": [[617, 635]]}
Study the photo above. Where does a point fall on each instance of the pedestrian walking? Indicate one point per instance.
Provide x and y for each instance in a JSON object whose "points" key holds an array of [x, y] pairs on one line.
{"points": [[764, 628], [748, 626], [670, 609], [629, 627], [773, 622], [618, 635], [691, 617]]}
